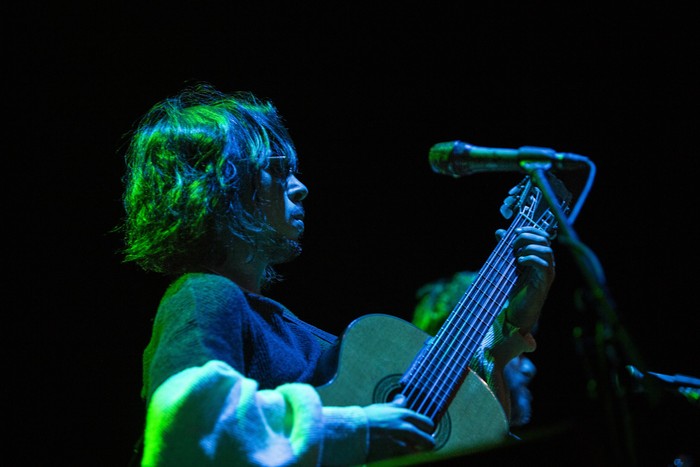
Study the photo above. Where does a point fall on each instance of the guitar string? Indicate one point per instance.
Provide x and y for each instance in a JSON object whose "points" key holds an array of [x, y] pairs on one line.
{"points": [[485, 306], [419, 393], [456, 363], [451, 364], [546, 220], [502, 276]]}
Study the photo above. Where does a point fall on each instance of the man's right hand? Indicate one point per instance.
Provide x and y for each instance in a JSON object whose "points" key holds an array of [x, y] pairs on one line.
{"points": [[396, 431]]}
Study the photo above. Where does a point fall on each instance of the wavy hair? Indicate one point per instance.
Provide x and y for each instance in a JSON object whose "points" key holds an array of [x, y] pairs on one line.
{"points": [[191, 168]]}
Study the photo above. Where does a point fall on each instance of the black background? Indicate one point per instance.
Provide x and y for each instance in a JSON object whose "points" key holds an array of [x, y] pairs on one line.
{"points": [[366, 89]]}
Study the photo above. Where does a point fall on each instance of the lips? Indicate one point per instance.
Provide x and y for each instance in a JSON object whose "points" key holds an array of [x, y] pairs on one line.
{"points": [[298, 220]]}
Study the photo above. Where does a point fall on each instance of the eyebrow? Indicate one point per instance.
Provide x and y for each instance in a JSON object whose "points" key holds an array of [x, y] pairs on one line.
{"points": [[293, 165]]}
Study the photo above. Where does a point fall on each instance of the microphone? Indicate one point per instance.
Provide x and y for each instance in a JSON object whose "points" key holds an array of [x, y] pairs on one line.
{"points": [[457, 158], [673, 381], [686, 386]]}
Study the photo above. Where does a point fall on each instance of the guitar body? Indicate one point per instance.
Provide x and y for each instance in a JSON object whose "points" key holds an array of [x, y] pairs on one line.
{"points": [[376, 351]]}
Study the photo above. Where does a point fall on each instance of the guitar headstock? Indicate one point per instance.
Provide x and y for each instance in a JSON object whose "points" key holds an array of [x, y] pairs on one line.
{"points": [[527, 199]]}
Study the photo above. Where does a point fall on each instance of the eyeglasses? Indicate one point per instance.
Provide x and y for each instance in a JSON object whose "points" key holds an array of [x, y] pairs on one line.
{"points": [[278, 166]]}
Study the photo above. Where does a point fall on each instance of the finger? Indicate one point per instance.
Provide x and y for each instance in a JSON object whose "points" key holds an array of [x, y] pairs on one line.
{"points": [[533, 249], [399, 400], [420, 421], [533, 261], [417, 439], [525, 248], [399, 443], [530, 238]]}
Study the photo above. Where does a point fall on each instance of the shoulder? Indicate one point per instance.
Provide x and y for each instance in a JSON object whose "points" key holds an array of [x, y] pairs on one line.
{"points": [[203, 287], [199, 295]]}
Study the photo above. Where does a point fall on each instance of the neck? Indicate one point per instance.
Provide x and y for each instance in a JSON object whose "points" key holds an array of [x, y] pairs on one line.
{"points": [[249, 282], [246, 273]]}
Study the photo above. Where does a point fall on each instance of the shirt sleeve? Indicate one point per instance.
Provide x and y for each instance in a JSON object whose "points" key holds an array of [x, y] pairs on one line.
{"points": [[213, 415], [502, 343]]}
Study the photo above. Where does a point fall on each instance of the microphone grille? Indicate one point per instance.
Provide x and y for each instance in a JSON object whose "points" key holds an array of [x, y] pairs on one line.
{"points": [[442, 158]]}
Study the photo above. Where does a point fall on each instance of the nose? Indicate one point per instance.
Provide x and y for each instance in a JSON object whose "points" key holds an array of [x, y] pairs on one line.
{"points": [[297, 191], [527, 367]]}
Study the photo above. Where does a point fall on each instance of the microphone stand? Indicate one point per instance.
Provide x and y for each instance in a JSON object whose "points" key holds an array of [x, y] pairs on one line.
{"points": [[595, 281]]}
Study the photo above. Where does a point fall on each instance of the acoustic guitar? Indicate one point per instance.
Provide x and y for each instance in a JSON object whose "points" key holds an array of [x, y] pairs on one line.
{"points": [[381, 356]]}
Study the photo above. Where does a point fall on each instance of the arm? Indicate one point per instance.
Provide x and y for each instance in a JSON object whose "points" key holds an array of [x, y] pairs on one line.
{"points": [[212, 415], [205, 410], [511, 333]]}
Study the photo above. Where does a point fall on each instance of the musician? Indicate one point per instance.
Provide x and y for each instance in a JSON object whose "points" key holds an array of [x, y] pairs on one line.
{"points": [[435, 302], [212, 200]]}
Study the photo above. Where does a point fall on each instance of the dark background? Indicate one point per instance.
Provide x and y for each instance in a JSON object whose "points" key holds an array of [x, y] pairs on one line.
{"points": [[366, 88]]}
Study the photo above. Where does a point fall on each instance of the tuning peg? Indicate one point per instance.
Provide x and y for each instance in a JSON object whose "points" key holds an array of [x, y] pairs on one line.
{"points": [[506, 208]]}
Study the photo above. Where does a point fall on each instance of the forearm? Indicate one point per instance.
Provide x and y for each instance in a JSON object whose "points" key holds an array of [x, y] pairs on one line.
{"points": [[524, 309], [502, 343], [213, 415]]}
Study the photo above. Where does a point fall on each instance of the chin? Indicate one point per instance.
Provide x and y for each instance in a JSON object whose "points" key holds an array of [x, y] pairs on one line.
{"points": [[286, 251]]}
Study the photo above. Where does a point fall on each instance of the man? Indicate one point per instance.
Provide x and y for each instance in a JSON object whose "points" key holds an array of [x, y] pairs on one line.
{"points": [[212, 199]]}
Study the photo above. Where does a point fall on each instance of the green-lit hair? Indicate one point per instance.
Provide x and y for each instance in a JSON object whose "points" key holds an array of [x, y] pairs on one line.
{"points": [[437, 299], [192, 164]]}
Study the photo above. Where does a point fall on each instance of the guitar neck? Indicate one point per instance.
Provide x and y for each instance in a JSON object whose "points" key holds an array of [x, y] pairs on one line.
{"points": [[437, 373]]}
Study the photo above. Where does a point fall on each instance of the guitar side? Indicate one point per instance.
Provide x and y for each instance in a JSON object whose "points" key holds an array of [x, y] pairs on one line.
{"points": [[375, 352]]}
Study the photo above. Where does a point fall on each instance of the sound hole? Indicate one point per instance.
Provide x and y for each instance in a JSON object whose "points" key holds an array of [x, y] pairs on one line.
{"points": [[389, 386]]}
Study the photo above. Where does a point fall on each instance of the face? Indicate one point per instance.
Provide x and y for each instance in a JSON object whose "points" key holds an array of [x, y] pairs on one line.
{"points": [[282, 205], [281, 194], [520, 371]]}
